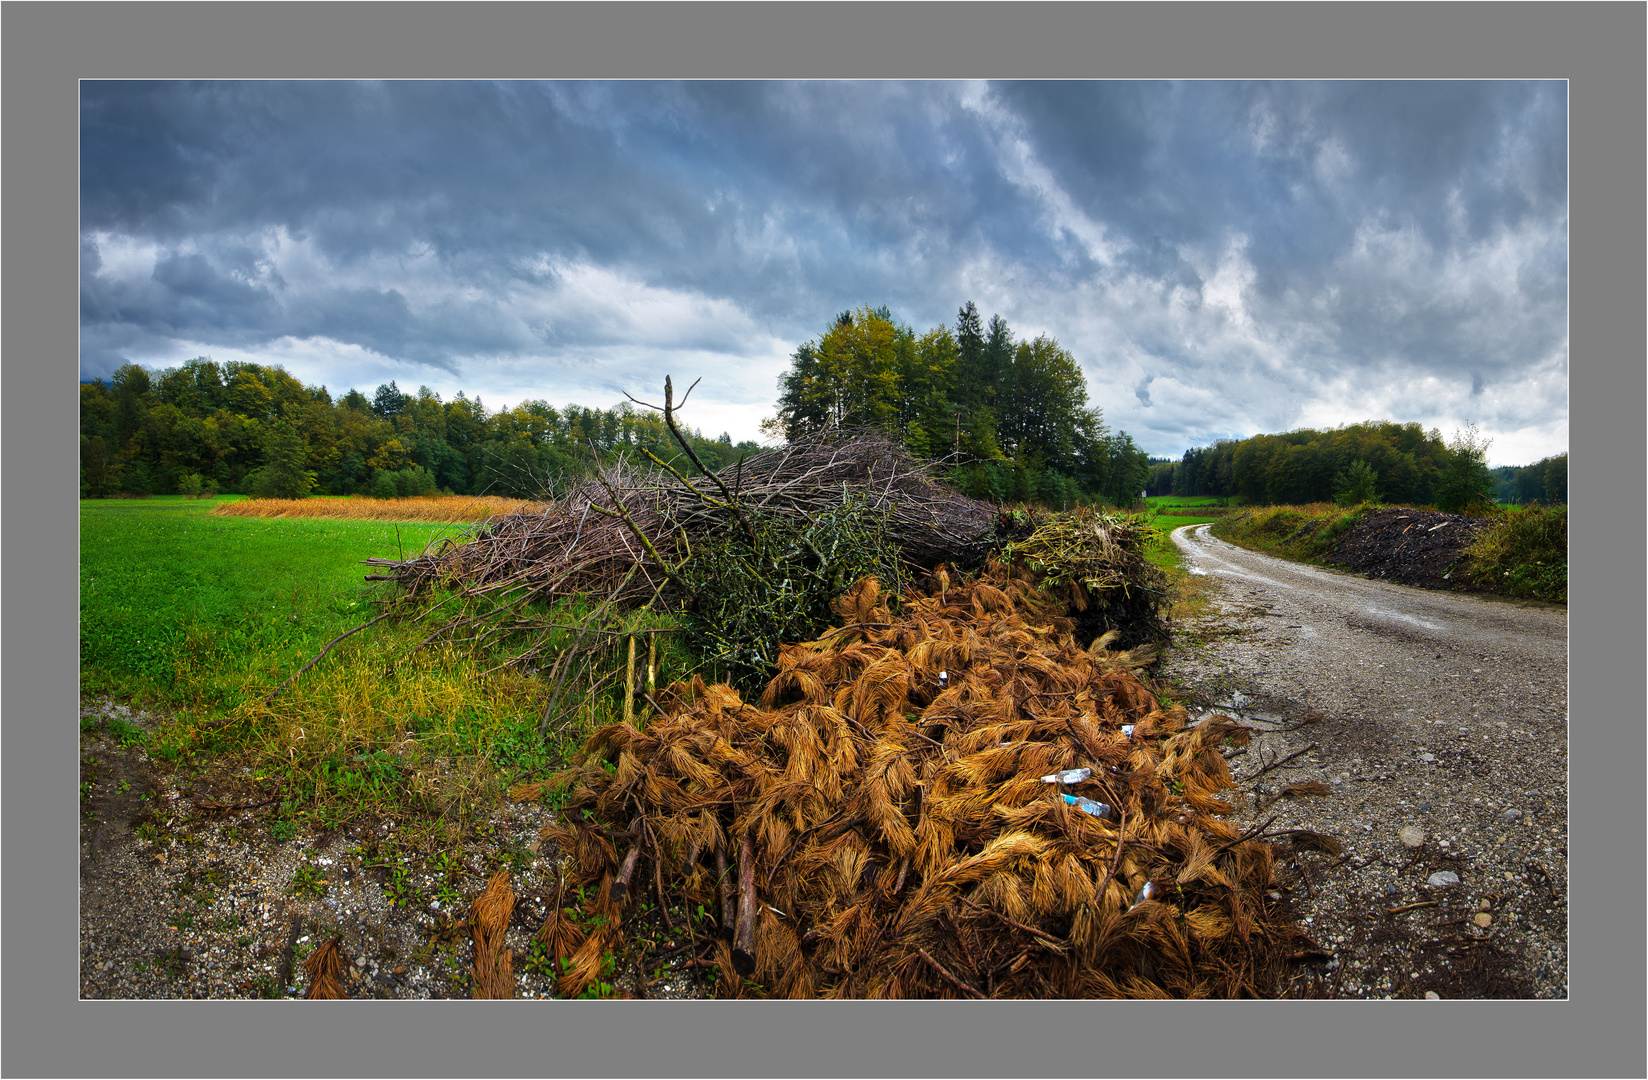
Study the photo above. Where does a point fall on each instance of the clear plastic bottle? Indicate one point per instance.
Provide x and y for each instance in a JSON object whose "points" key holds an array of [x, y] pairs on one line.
{"points": [[1088, 806], [1068, 776]]}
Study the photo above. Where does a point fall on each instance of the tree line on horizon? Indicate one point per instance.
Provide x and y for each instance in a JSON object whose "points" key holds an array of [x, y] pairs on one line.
{"points": [[252, 429], [1009, 420], [1376, 460]]}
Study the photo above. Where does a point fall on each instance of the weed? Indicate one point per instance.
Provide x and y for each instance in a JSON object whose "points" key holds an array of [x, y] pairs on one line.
{"points": [[127, 734], [516, 856], [173, 961], [308, 883], [402, 892], [601, 989], [539, 962], [283, 829], [1524, 554]]}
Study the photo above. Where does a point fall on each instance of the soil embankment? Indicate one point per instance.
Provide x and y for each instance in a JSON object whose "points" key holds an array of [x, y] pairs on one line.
{"points": [[1410, 547]]}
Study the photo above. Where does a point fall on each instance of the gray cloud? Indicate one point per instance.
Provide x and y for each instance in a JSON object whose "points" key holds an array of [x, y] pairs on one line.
{"points": [[1223, 258]]}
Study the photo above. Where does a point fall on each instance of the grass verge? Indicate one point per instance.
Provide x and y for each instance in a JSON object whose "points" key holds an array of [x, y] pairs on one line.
{"points": [[1189, 593], [200, 616], [1525, 554], [1302, 533]]}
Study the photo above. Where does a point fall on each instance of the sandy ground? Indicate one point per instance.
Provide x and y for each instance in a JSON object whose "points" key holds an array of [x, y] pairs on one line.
{"points": [[1441, 714]]}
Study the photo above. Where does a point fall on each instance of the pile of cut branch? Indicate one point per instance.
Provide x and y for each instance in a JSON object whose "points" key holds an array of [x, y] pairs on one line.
{"points": [[793, 526], [1095, 563], [752, 556], [589, 541], [887, 820]]}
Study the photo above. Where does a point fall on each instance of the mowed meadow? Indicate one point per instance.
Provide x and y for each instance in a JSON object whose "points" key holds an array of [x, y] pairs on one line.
{"points": [[169, 587], [199, 615]]}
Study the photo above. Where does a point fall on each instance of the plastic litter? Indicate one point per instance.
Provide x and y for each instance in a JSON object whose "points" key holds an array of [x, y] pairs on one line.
{"points": [[1068, 776], [1146, 893], [1127, 729], [1088, 806]]}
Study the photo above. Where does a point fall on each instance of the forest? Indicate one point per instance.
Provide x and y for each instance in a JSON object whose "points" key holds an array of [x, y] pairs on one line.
{"points": [[1011, 419], [1376, 460], [247, 428]]}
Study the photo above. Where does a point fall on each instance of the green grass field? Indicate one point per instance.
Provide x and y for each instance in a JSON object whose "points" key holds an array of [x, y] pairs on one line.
{"points": [[200, 617], [1157, 501], [165, 588], [1188, 594], [1162, 552]]}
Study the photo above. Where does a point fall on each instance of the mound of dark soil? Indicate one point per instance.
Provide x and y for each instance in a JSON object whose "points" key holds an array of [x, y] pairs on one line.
{"points": [[1410, 547]]}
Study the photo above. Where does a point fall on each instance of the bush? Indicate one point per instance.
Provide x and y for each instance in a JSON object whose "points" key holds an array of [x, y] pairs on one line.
{"points": [[413, 482], [1525, 554], [750, 598], [383, 486]]}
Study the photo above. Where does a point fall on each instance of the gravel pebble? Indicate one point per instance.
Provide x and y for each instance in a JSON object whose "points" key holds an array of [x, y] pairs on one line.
{"points": [[214, 916], [1376, 675]]}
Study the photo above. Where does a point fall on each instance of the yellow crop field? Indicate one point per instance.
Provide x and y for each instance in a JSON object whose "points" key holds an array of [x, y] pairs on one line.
{"points": [[446, 508]]}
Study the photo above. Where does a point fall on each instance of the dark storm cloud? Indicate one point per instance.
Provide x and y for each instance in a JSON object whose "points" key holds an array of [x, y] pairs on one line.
{"points": [[1222, 257]]}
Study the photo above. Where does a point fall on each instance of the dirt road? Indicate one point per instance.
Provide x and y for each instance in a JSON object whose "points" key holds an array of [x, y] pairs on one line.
{"points": [[1426, 712]]}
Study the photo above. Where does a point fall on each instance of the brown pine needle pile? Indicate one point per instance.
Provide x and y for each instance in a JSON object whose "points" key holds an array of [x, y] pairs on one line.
{"points": [[493, 973], [325, 967], [877, 824]]}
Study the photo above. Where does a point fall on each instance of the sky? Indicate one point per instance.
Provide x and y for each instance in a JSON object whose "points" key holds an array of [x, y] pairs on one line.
{"points": [[1222, 258]]}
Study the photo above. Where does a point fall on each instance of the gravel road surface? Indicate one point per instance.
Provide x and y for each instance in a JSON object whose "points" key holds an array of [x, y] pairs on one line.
{"points": [[1439, 723]]}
